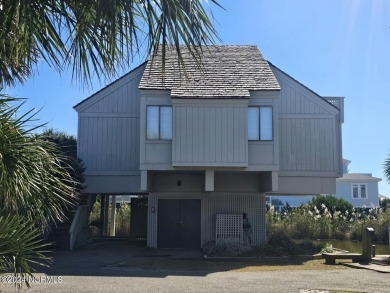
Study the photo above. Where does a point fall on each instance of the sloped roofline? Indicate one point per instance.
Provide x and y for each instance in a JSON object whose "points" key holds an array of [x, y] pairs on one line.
{"points": [[310, 90], [110, 84], [229, 71], [358, 176]]}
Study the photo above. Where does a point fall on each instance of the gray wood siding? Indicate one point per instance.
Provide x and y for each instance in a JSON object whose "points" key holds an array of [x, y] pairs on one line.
{"points": [[309, 131], [122, 100], [120, 97], [109, 143], [154, 154], [261, 153], [308, 144], [109, 128], [295, 99], [210, 134], [264, 155]]}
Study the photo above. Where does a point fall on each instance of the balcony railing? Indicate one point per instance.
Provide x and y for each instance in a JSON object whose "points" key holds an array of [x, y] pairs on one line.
{"points": [[338, 102]]}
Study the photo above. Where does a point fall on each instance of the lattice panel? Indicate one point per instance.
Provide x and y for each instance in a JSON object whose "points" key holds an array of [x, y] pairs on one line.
{"points": [[251, 204], [152, 221], [228, 229]]}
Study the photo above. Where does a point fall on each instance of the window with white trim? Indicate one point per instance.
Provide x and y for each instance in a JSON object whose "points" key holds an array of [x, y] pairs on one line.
{"points": [[260, 123], [159, 122], [359, 190]]}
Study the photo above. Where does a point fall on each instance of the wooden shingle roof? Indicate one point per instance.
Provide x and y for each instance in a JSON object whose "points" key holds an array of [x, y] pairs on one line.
{"points": [[224, 71]]}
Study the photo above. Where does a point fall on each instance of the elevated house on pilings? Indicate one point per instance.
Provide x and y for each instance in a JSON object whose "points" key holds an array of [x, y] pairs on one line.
{"points": [[206, 143]]}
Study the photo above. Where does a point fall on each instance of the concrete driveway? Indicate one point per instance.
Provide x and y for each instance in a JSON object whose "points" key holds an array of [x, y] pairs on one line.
{"points": [[97, 268]]}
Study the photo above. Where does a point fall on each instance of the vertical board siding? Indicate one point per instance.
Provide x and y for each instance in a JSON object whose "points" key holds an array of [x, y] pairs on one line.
{"points": [[309, 136], [251, 204], [210, 135], [294, 101], [109, 128], [307, 145], [109, 144], [124, 99]]}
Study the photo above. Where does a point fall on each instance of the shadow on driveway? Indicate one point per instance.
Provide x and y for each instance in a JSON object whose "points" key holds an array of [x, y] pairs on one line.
{"points": [[131, 260]]}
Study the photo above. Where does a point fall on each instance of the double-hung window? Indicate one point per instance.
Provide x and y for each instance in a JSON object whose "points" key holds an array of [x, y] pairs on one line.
{"points": [[260, 123], [359, 190], [159, 122]]}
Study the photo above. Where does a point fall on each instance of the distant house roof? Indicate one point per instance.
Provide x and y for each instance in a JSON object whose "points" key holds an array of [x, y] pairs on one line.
{"points": [[358, 177], [345, 161], [225, 71]]}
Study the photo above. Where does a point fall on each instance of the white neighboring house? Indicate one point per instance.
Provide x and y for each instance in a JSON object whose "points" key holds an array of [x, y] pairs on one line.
{"points": [[360, 189]]}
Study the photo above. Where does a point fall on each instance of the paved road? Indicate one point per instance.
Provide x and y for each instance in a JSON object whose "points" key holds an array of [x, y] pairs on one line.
{"points": [[89, 270], [353, 279]]}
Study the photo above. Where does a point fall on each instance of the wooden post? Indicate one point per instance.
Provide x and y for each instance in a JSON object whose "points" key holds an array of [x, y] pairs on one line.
{"points": [[368, 234], [388, 231], [102, 206], [209, 180], [105, 223], [113, 213]]}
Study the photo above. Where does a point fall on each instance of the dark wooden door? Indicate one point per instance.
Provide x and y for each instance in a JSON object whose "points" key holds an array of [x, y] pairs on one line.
{"points": [[139, 219], [178, 223]]}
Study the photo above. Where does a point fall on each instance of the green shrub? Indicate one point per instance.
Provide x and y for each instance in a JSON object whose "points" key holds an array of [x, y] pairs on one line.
{"points": [[279, 244], [308, 221], [328, 248], [94, 217], [332, 204], [212, 249], [283, 244], [122, 217], [122, 220], [384, 204]]}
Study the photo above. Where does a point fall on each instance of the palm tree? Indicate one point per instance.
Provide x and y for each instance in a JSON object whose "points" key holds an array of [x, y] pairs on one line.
{"points": [[33, 182], [91, 37], [67, 147], [35, 190], [95, 37], [386, 166]]}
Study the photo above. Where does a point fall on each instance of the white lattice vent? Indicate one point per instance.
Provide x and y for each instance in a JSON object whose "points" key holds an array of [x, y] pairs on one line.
{"points": [[229, 229]]}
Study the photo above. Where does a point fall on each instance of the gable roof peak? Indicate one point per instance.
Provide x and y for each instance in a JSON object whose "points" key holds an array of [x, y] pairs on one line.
{"points": [[221, 71]]}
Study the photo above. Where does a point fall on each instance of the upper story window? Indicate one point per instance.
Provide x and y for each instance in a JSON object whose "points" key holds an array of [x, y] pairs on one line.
{"points": [[260, 123], [159, 122], [359, 190]]}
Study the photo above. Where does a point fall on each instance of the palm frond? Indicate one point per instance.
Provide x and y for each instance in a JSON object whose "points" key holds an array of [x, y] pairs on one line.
{"points": [[20, 246], [33, 180], [386, 167], [96, 37]]}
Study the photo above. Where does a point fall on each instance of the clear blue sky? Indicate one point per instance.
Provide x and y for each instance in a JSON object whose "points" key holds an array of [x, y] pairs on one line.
{"points": [[335, 47]]}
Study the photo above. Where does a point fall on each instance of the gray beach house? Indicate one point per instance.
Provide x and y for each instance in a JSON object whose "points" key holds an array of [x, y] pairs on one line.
{"points": [[207, 143]]}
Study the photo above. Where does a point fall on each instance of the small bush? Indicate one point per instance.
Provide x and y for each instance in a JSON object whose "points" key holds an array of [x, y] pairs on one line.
{"points": [[94, 216], [327, 249], [278, 244], [332, 204], [212, 249], [122, 220], [384, 204], [309, 221]]}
